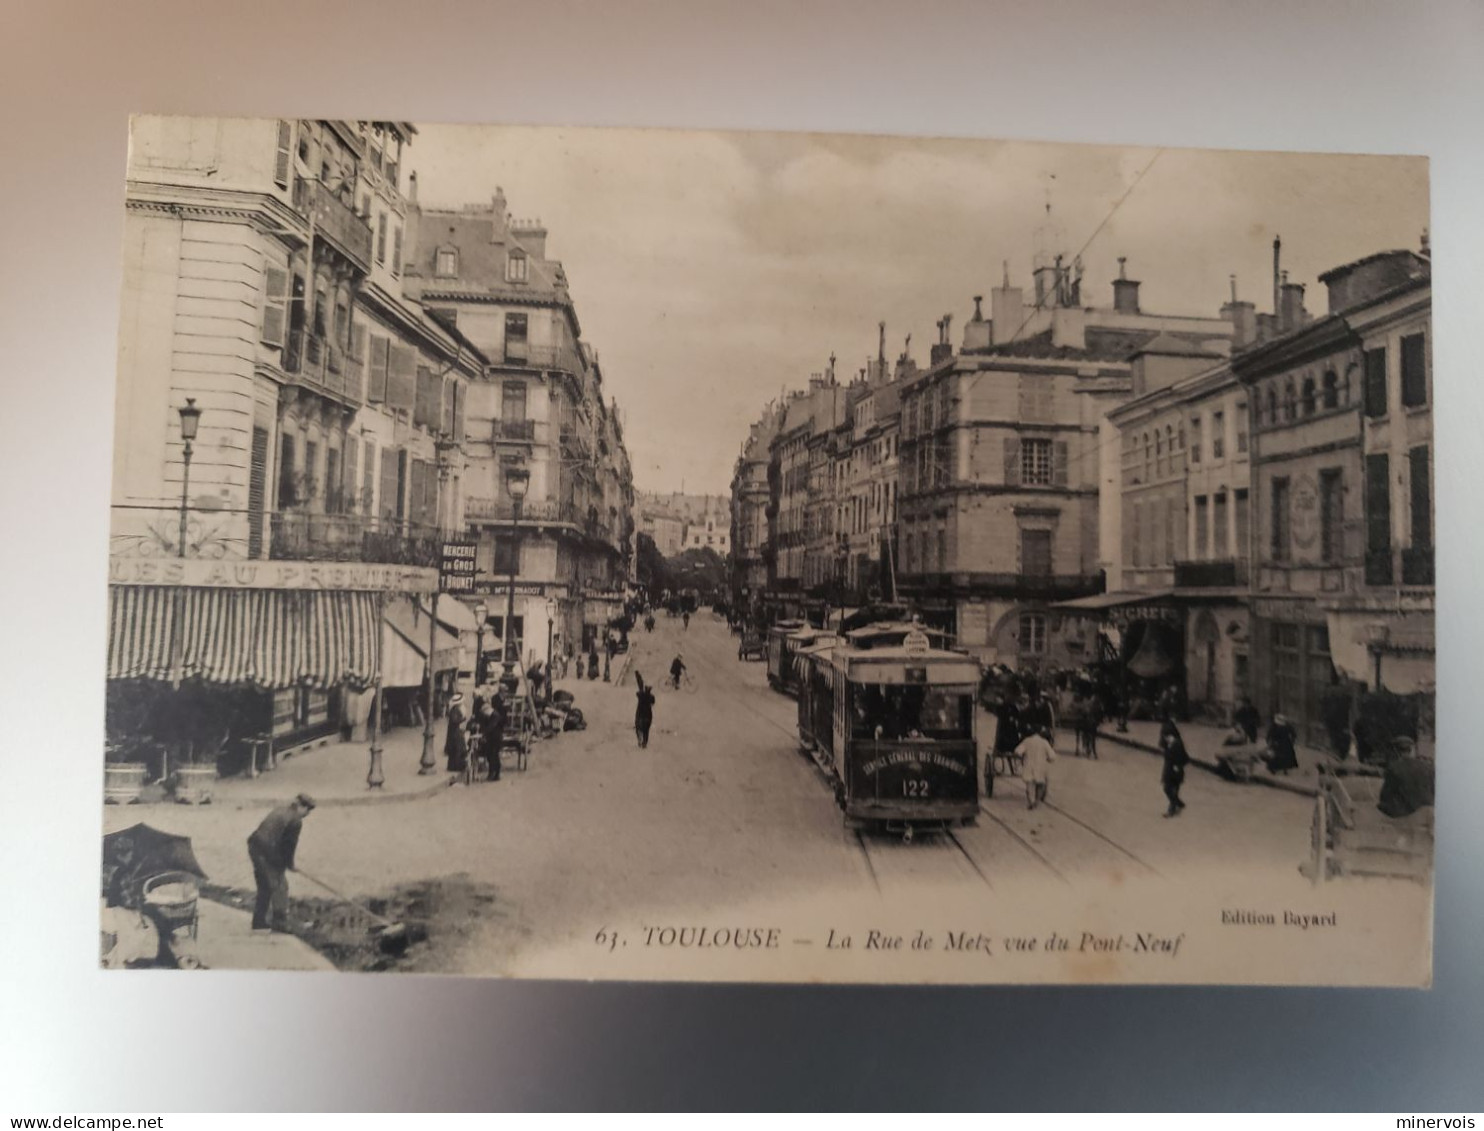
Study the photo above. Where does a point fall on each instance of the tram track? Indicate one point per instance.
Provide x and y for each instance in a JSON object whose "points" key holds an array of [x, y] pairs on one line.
{"points": [[1109, 841], [1025, 844]]}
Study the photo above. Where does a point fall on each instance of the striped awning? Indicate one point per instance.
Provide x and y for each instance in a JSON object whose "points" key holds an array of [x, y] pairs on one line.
{"points": [[269, 638]]}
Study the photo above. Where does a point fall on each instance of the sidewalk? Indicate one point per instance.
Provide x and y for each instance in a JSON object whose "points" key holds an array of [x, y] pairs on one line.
{"points": [[1203, 744], [226, 941], [335, 774]]}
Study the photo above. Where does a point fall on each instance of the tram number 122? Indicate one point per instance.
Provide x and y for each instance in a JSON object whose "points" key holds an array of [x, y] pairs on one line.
{"points": [[914, 787]]}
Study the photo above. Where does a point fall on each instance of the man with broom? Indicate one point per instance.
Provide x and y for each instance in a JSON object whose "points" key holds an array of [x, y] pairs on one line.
{"points": [[271, 849]]}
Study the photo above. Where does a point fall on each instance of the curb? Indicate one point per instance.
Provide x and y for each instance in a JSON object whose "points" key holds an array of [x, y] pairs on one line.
{"points": [[1207, 765], [370, 797]]}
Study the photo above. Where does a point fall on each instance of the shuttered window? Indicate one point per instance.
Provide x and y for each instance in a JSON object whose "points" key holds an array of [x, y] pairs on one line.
{"points": [[381, 237], [1420, 479], [1035, 553], [368, 480], [1012, 461], [275, 305], [426, 410], [356, 374], [351, 487], [401, 388], [1414, 371], [418, 482], [1375, 382], [257, 490], [334, 499], [450, 394], [283, 159], [1281, 532], [391, 503], [1378, 502], [397, 251], [285, 471], [376, 371], [460, 395]]}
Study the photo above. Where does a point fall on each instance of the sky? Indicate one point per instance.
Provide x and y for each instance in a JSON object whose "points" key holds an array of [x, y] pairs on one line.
{"points": [[711, 270]]}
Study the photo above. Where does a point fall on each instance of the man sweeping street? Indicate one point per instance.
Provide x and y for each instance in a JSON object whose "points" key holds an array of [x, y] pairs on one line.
{"points": [[271, 849]]}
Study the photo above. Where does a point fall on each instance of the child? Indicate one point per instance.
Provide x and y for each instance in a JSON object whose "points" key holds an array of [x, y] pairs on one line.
{"points": [[1036, 754]]}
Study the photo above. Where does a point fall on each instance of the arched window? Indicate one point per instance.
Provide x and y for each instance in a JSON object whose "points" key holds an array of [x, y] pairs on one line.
{"points": [[1272, 405], [1170, 444], [1161, 464], [1331, 389], [1148, 458], [1290, 400], [1352, 377], [1310, 404]]}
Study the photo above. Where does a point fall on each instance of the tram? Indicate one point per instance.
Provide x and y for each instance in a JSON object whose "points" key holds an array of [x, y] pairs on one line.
{"points": [[890, 718], [785, 639]]}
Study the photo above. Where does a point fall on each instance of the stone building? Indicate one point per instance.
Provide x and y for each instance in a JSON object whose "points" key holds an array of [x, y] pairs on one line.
{"points": [[263, 269], [538, 405], [1002, 461], [1338, 408]]}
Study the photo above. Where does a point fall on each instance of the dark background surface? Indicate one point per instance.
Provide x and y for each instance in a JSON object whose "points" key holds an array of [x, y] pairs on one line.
{"points": [[1362, 78]]}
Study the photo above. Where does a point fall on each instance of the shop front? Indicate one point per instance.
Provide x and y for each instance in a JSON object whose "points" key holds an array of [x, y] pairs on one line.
{"points": [[209, 660]]}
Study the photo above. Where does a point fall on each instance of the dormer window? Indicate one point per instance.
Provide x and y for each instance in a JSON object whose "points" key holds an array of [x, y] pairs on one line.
{"points": [[447, 265], [515, 267]]}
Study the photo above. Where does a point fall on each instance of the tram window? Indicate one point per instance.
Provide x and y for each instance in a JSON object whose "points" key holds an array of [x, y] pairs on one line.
{"points": [[897, 711]]}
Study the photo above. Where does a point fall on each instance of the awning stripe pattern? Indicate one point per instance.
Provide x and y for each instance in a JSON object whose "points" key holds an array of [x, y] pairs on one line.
{"points": [[268, 638]]}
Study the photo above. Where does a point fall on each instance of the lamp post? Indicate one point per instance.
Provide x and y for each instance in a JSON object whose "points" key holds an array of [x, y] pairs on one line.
{"points": [[517, 481], [428, 764], [481, 614], [190, 421], [551, 614]]}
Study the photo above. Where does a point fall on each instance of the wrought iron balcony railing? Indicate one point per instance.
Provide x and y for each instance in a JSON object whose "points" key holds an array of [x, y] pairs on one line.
{"points": [[336, 222], [1224, 573], [319, 364], [518, 431], [351, 538], [526, 355]]}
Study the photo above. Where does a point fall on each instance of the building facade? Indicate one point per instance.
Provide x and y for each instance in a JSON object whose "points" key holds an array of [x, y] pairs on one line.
{"points": [[263, 264], [1002, 462], [1320, 505], [538, 405]]}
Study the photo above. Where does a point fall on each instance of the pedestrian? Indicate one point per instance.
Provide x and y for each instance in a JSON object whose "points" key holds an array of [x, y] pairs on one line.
{"points": [[492, 734], [1282, 757], [643, 711], [455, 742], [1036, 755], [1245, 716], [271, 848], [685, 618], [1172, 775], [1088, 722], [677, 669]]}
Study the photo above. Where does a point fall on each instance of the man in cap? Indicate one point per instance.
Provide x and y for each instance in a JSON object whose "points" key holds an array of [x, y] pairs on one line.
{"points": [[271, 849]]}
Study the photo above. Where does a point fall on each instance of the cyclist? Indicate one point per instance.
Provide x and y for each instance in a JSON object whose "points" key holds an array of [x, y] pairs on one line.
{"points": [[677, 669]]}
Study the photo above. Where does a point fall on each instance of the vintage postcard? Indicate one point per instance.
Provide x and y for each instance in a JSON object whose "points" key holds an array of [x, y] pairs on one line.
{"points": [[576, 553]]}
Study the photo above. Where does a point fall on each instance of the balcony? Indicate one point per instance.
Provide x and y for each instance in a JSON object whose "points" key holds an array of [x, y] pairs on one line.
{"points": [[1417, 565], [1228, 573], [524, 355], [351, 538], [335, 222], [1017, 585], [477, 509], [515, 431], [318, 364]]}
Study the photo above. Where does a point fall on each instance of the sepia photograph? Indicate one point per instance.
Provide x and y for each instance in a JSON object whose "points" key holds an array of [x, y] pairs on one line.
{"points": [[665, 555]]}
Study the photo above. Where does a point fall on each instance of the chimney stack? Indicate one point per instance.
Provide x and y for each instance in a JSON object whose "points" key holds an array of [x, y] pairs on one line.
{"points": [[977, 330], [1294, 315], [1277, 278], [1125, 290]]}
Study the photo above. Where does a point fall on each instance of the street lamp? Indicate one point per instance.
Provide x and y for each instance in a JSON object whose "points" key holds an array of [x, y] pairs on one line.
{"points": [[190, 421], [481, 614], [517, 481], [551, 615]]}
